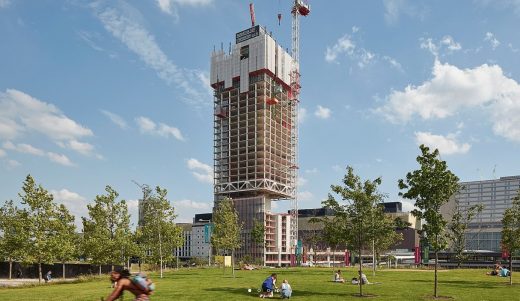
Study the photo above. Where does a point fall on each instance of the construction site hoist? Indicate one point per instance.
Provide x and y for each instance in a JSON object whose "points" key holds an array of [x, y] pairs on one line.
{"points": [[300, 8]]}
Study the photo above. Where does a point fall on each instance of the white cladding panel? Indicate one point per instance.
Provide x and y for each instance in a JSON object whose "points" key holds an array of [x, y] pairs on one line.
{"points": [[262, 55]]}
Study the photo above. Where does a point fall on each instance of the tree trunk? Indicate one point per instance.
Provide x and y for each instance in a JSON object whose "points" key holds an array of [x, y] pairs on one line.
{"points": [[435, 285], [333, 259], [99, 269], [160, 253], [373, 257], [511, 268], [233, 262], [39, 272], [360, 272], [10, 268], [63, 269]]}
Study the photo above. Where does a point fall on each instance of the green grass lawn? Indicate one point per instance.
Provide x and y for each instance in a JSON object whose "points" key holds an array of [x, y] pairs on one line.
{"points": [[307, 284]]}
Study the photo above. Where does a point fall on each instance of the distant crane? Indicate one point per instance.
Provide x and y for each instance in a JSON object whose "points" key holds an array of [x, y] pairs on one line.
{"points": [[147, 191]]}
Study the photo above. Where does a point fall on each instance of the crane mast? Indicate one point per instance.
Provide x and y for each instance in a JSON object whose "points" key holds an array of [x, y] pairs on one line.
{"points": [[303, 9]]}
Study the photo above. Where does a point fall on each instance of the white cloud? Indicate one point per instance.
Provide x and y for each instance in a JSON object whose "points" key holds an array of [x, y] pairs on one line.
{"points": [[20, 112], [116, 119], [2, 153], [322, 112], [59, 158], [452, 89], [76, 203], [302, 114], [346, 45], [343, 45], [201, 171], [124, 25], [12, 164], [147, 126], [170, 6], [305, 196], [4, 3], [447, 145], [192, 204], [302, 181], [23, 148], [446, 43], [450, 43], [490, 37], [337, 168]]}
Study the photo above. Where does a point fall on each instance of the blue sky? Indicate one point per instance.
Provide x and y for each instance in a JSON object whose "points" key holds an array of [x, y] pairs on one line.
{"points": [[105, 92]]}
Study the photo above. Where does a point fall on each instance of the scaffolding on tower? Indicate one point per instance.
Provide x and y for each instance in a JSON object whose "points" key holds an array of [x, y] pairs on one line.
{"points": [[300, 8]]}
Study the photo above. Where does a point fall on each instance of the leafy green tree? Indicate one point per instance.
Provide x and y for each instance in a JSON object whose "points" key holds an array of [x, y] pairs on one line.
{"points": [[458, 227], [331, 233], [258, 235], [226, 232], [13, 235], [431, 186], [511, 232], [41, 223], [65, 240], [355, 218], [160, 236], [107, 229]]}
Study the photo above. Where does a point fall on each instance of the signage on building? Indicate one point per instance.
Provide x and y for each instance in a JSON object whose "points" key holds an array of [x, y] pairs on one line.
{"points": [[247, 34]]}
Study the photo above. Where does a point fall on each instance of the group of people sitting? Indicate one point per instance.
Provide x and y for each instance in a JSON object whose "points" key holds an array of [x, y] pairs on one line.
{"points": [[499, 270], [269, 288], [362, 279]]}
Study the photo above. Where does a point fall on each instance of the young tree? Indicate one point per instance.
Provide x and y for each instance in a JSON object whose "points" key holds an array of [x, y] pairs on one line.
{"points": [[107, 229], [458, 227], [13, 236], [258, 234], [431, 186], [66, 239], [160, 236], [41, 223], [356, 217], [511, 232], [226, 232]]}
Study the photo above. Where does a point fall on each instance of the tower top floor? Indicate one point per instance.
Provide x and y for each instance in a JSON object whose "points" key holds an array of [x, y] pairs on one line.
{"points": [[255, 50]]}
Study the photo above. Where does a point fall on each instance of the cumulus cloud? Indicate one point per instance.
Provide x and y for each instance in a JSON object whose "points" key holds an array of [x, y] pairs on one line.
{"points": [[452, 89], [116, 119], [302, 181], [447, 43], [201, 171], [346, 46], [147, 126], [31, 150], [76, 203], [21, 114], [322, 112], [192, 204], [490, 37], [447, 145], [123, 23]]}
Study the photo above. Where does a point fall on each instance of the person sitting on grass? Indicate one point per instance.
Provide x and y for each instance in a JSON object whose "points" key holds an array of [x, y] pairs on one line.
{"points": [[504, 272], [362, 278], [122, 282], [286, 291], [496, 270], [268, 286], [48, 276], [338, 277]]}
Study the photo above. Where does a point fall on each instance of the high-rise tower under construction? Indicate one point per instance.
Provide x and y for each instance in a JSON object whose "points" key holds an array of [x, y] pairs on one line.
{"points": [[255, 136]]}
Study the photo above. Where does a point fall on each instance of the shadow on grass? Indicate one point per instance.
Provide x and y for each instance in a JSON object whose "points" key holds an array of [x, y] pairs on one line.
{"points": [[477, 284]]}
